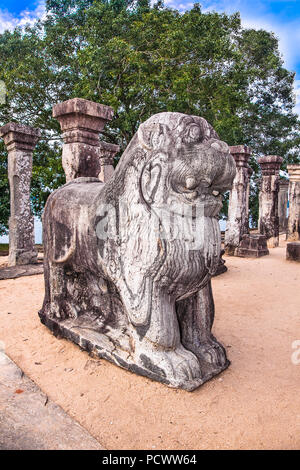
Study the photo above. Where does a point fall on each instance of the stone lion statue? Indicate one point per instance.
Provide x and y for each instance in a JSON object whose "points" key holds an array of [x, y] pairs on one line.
{"points": [[128, 263]]}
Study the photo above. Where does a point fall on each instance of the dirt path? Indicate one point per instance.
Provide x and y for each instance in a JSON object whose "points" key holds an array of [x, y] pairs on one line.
{"points": [[254, 404]]}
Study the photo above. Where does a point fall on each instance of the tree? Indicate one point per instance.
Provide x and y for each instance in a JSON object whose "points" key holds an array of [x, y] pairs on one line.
{"points": [[142, 59]]}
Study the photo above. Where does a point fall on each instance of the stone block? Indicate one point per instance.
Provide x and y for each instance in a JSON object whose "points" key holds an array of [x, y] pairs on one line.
{"points": [[293, 251], [252, 246]]}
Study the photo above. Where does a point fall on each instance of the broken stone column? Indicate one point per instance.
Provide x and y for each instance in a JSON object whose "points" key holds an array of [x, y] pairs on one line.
{"points": [[81, 122], [268, 223], [237, 223], [107, 153], [293, 251], [282, 204], [293, 232], [20, 141]]}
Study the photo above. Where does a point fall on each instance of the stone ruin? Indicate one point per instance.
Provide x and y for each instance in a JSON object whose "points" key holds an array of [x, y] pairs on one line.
{"points": [[83, 153], [128, 262], [293, 232], [268, 223], [20, 141], [238, 240], [283, 197], [237, 222]]}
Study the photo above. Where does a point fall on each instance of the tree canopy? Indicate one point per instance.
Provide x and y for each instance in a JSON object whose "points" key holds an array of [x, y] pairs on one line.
{"points": [[142, 59]]}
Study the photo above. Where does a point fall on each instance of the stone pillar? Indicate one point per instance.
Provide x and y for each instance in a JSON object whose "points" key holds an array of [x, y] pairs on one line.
{"points": [[20, 141], [293, 231], [237, 222], [81, 122], [250, 172], [268, 223], [107, 153], [282, 204]]}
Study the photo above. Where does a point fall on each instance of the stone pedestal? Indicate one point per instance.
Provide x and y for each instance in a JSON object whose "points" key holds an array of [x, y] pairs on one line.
{"points": [[81, 122], [293, 231], [293, 251], [268, 223], [20, 141], [282, 204], [252, 246], [237, 223]]}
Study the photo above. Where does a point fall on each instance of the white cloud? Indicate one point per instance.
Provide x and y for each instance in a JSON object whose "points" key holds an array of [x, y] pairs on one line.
{"points": [[8, 21]]}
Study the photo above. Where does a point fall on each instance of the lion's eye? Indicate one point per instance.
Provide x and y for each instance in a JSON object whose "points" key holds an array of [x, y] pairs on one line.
{"points": [[215, 193], [193, 134]]}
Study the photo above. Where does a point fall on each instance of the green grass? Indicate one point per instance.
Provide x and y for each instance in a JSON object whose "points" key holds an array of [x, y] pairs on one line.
{"points": [[5, 246]]}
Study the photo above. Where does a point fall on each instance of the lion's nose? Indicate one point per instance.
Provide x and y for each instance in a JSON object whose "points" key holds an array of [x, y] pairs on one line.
{"points": [[190, 182]]}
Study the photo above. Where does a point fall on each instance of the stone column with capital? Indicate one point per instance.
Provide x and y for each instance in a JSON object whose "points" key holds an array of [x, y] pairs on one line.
{"points": [[237, 222], [81, 122], [20, 141], [283, 204], [293, 231], [107, 153], [268, 223]]}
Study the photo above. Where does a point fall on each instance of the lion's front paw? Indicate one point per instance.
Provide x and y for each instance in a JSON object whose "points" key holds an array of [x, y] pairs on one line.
{"points": [[174, 366], [213, 352]]}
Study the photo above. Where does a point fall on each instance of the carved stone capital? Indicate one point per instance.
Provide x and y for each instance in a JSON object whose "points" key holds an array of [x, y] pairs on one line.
{"points": [[294, 172], [283, 185], [81, 120], [19, 137], [241, 154], [107, 152], [270, 164]]}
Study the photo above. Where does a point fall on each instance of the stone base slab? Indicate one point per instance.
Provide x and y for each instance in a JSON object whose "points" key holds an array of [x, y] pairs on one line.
{"points": [[293, 251], [252, 246], [13, 272], [112, 347]]}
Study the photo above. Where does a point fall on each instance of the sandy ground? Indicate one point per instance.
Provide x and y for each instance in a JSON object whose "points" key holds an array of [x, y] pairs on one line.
{"points": [[30, 421], [253, 404]]}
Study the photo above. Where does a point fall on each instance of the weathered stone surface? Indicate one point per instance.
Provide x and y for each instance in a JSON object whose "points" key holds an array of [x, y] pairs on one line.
{"points": [[107, 153], [221, 269], [81, 122], [128, 263], [252, 246], [20, 141], [293, 232], [238, 221], [13, 272], [268, 223], [282, 204], [293, 251]]}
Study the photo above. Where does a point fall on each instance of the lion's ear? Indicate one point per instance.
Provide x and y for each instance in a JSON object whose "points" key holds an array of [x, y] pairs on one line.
{"points": [[153, 136], [150, 180]]}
